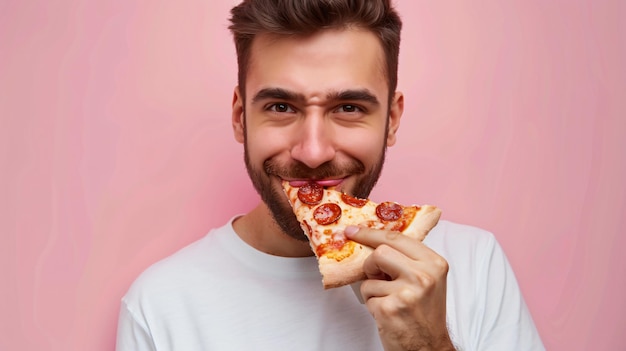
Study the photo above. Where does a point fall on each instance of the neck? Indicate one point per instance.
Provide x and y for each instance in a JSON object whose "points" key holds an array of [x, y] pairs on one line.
{"points": [[259, 230]]}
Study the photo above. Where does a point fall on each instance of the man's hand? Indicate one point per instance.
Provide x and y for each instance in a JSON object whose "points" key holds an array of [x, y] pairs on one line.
{"points": [[405, 290]]}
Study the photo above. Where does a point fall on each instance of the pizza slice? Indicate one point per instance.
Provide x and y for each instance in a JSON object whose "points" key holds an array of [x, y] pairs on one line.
{"points": [[324, 213]]}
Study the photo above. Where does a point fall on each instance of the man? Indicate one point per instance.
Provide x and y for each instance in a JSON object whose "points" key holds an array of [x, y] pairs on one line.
{"points": [[317, 101]]}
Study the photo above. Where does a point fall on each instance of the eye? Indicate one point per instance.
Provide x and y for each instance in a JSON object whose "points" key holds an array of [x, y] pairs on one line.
{"points": [[348, 108], [281, 108]]}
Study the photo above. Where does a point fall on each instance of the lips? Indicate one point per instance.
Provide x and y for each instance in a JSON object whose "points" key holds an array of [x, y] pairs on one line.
{"points": [[322, 182]]}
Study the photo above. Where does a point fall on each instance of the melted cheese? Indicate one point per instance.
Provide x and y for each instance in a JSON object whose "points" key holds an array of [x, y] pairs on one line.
{"points": [[322, 234]]}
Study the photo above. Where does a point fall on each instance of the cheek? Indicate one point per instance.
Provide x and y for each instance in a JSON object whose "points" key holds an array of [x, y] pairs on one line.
{"points": [[363, 144], [263, 144]]}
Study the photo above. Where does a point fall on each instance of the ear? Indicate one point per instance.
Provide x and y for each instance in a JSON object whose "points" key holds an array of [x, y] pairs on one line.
{"points": [[238, 116], [395, 113]]}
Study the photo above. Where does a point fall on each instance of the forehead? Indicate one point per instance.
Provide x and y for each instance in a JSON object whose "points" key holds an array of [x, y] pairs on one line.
{"points": [[331, 59]]}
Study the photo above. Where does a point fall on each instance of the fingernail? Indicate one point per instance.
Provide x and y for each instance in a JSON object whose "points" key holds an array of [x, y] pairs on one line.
{"points": [[351, 230]]}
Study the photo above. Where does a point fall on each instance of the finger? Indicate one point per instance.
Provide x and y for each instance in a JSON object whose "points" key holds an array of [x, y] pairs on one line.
{"points": [[390, 298], [404, 293], [387, 262], [377, 288], [370, 237], [374, 238]]}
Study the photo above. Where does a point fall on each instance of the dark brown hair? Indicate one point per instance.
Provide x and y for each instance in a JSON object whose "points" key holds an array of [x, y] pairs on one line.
{"points": [[305, 17]]}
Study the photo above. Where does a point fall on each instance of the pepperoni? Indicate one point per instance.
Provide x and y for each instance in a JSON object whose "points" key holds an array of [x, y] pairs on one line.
{"points": [[389, 211], [311, 193], [327, 213], [353, 201]]}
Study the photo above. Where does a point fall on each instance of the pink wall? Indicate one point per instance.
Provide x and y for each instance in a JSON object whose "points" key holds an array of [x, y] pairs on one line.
{"points": [[116, 149]]}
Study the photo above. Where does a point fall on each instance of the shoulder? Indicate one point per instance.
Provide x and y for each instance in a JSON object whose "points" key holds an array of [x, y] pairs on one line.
{"points": [[470, 251], [485, 305], [454, 237], [168, 277]]}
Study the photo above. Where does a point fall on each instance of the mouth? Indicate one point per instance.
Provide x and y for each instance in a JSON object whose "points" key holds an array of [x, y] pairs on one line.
{"points": [[322, 182]]}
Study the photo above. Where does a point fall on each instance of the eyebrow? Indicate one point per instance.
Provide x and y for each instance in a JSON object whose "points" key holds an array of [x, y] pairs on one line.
{"points": [[345, 95], [354, 95], [278, 94]]}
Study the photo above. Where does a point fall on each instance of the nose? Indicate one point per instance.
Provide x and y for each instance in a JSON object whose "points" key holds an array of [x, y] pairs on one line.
{"points": [[314, 145]]}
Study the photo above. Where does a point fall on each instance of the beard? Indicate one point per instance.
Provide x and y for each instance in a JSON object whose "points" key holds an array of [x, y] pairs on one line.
{"points": [[276, 200]]}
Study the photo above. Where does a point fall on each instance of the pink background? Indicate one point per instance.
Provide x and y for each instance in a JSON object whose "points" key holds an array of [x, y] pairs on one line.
{"points": [[116, 150]]}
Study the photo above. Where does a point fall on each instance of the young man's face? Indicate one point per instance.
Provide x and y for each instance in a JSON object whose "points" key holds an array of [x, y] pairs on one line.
{"points": [[316, 108]]}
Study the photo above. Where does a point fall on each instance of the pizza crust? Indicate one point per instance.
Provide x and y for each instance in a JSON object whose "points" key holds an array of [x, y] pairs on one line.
{"points": [[425, 220], [346, 271]]}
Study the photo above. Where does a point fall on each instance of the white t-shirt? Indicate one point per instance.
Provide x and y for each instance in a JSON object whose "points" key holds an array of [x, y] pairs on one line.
{"points": [[221, 294]]}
